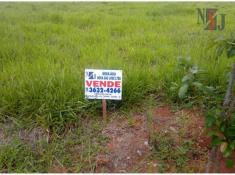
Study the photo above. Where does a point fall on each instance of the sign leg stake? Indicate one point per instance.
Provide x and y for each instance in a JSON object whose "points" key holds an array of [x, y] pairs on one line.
{"points": [[104, 107]]}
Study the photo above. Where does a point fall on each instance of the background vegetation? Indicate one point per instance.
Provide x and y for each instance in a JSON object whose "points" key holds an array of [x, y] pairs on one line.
{"points": [[45, 47]]}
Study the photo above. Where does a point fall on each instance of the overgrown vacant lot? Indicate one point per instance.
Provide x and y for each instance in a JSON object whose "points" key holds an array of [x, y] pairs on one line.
{"points": [[45, 47]]}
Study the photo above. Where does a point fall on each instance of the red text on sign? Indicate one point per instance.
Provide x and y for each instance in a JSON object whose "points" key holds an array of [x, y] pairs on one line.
{"points": [[103, 83]]}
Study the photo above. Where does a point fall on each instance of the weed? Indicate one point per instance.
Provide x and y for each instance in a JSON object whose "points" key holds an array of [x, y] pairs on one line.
{"points": [[192, 90], [169, 153]]}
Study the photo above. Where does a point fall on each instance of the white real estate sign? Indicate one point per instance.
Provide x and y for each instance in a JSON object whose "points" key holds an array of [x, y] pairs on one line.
{"points": [[103, 84]]}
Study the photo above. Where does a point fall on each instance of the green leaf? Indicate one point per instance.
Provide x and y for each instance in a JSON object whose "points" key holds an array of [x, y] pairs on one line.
{"points": [[231, 52], [173, 88], [216, 134], [216, 141], [223, 127], [210, 119], [219, 39], [187, 77], [229, 163], [219, 50], [230, 131], [188, 105], [227, 152], [183, 90], [212, 133], [233, 121], [194, 70], [232, 145], [210, 88], [198, 85]]}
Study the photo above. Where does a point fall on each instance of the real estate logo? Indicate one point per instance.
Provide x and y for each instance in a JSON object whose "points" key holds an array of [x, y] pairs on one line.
{"points": [[210, 18], [91, 75]]}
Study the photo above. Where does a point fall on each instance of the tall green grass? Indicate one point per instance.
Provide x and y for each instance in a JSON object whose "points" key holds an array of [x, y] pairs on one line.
{"points": [[45, 47]]}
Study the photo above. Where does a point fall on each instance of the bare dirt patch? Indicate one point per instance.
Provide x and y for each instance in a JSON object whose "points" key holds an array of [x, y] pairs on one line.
{"points": [[129, 150], [128, 145], [183, 126]]}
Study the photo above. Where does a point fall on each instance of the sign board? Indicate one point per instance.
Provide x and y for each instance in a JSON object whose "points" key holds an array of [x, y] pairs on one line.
{"points": [[103, 84]]}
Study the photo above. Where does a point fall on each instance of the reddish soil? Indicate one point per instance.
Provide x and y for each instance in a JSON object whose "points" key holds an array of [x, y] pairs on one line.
{"points": [[184, 125], [128, 148], [58, 169]]}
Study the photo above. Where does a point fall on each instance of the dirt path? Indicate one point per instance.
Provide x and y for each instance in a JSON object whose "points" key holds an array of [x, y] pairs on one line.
{"points": [[128, 149]]}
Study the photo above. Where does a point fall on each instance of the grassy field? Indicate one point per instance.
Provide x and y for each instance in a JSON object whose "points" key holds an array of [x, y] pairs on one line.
{"points": [[45, 47]]}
